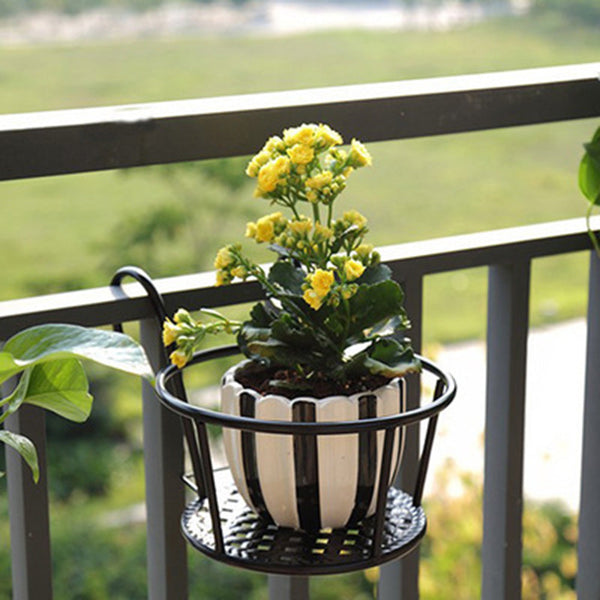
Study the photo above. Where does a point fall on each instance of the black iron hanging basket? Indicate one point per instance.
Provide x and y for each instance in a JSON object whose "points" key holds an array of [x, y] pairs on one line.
{"points": [[234, 528]]}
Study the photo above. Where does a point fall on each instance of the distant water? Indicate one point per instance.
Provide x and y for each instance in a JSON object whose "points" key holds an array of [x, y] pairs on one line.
{"points": [[261, 17]]}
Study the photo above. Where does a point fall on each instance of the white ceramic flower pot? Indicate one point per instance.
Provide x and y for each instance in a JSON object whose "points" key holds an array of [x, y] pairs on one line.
{"points": [[310, 482]]}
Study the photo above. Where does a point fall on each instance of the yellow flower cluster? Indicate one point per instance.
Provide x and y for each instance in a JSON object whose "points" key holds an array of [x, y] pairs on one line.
{"points": [[186, 333], [353, 217], [289, 168], [228, 264], [324, 187], [304, 240], [267, 227], [353, 269], [323, 284], [319, 285], [178, 332], [272, 174]]}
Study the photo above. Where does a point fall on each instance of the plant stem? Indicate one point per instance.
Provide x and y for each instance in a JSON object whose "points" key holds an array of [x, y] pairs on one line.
{"points": [[316, 215]]}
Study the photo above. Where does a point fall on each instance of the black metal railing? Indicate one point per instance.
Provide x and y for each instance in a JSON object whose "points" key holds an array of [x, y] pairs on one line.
{"points": [[85, 140]]}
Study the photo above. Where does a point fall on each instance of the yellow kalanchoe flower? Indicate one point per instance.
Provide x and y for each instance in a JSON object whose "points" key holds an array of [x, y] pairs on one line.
{"points": [[169, 333], [305, 134], [353, 269], [239, 272], [300, 154], [178, 358], [300, 226], [355, 218], [223, 258], [328, 136], [359, 155], [250, 230], [268, 178], [222, 278], [312, 299], [321, 281], [265, 230], [274, 144], [282, 165], [320, 180], [272, 174], [257, 162]]}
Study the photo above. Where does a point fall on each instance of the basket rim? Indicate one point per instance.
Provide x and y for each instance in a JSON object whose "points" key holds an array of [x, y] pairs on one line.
{"points": [[213, 417]]}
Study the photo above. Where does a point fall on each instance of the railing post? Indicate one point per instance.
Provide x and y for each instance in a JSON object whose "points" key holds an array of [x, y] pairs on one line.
{"points": [[588, 576], [165, 498], [399, 580], [508, 316], [286, 587], [28, 510]]}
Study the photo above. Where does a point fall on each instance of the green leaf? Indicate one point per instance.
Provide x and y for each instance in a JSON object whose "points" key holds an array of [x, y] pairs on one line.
{"points": [[394, 326], [375, 274], [373, 304], [385, 356], [13, 401], [61, 386], [55, 341], [24, 447], [261, 316], [286, 330], [288, 276], [589, 170]]}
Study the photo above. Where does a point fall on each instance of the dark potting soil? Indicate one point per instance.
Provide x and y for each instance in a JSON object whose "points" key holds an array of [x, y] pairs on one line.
{"points": [[291, 384]]}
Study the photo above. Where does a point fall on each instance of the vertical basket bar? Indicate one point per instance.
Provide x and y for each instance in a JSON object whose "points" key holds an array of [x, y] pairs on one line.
{"points": [[427, 447], [508, 316], [208, 485], [382, 492], [400, 579], [28, 509], [165, 497], [588, 581]]}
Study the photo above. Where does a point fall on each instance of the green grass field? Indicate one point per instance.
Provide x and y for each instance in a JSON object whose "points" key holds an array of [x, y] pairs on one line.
{"points": [[57, 230]]}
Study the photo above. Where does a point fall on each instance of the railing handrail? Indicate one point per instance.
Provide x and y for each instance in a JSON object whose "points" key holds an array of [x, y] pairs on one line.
{"points": [[91, 139], [103, 305]]}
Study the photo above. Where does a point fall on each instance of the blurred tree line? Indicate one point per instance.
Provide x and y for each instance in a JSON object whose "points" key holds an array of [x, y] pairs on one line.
{"points": [[13, 7], [579, 11], [587, 11]]}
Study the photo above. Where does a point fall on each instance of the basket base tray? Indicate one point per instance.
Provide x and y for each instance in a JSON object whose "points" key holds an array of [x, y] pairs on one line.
{"points": [[253, 543]]}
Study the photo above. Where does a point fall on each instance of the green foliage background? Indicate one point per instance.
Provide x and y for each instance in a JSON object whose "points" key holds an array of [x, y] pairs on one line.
{"points": [[423, 188]]}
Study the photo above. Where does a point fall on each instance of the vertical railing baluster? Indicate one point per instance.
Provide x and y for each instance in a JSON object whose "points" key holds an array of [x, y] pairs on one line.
{"points": [[588, 577], [288, 587], [399, 580], [508, 316], [165, 496], [28, 511]]}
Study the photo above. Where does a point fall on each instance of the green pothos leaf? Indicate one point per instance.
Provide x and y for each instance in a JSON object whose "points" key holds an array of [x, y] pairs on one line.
{"points": [[24, 446], [60, 386], [44, 343], [589, 171], [589, 181]]}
